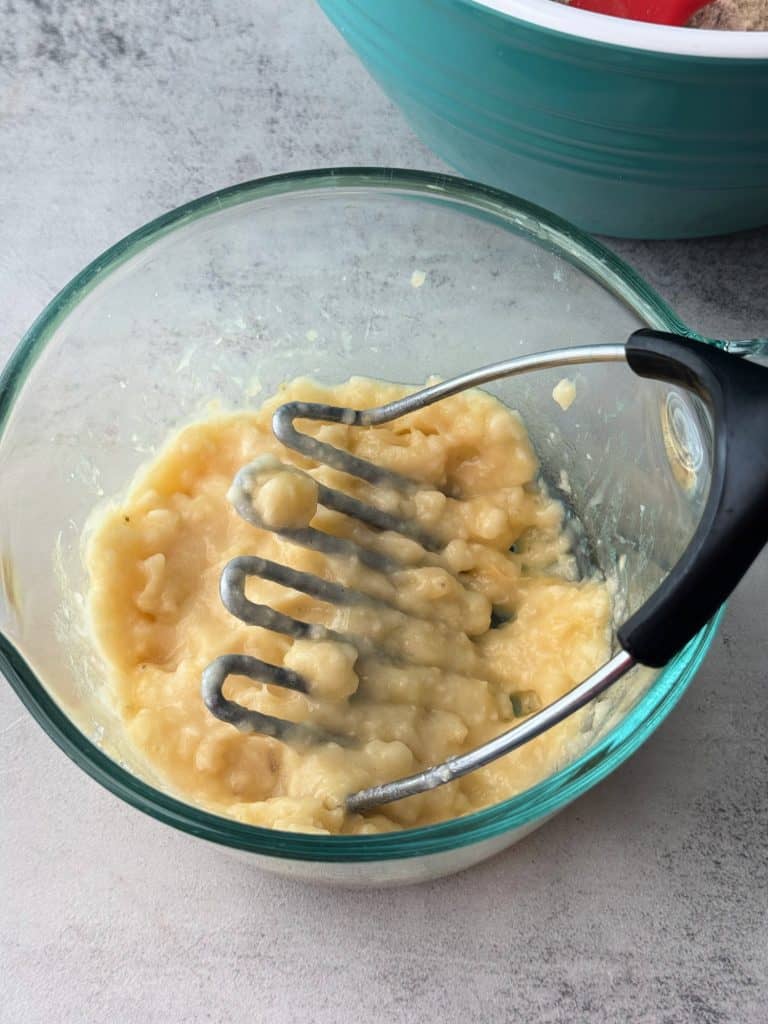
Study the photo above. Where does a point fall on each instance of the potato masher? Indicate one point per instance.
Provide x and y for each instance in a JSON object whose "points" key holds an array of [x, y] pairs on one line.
{"points": [[732, 531]]}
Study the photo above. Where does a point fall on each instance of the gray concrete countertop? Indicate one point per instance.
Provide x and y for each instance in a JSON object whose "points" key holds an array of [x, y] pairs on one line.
{"points": [[645, 902]]}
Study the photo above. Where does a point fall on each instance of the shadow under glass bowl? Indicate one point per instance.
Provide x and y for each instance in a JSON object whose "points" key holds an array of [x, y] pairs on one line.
{"points": [[313, 274]]}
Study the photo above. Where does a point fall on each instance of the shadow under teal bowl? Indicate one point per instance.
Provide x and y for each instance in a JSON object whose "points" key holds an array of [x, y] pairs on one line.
{"points": [[620, 139]]}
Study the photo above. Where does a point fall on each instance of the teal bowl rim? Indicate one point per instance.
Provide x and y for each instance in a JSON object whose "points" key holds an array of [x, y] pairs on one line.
{"points": [[519, 811]]}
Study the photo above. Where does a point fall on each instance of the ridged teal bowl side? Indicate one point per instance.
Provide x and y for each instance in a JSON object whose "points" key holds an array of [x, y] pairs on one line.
{"points": [[621, 141]]}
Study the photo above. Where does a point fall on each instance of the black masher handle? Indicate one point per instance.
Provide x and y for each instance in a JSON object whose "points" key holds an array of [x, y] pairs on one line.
{"points": [[734, 526]]}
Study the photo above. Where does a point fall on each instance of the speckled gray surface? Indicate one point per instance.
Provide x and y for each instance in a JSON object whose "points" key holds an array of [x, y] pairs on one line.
{"points": [[645, 902]]}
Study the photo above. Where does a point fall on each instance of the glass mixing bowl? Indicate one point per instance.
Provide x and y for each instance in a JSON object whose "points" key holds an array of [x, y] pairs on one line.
{"points": [[391, 274]]}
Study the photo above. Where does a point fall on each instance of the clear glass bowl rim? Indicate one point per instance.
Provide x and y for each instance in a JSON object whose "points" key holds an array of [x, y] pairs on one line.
{"points": [[536, 803]]}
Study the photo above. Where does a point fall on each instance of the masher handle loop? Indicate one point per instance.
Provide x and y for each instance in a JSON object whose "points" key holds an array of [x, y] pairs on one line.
{"points": [[734, 525]]}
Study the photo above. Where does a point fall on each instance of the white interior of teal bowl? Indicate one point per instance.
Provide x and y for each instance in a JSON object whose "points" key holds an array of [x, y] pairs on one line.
{"points": [[601, 28]]}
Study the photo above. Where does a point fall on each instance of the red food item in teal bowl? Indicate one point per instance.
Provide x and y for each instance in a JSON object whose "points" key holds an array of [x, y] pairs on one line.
{"points": [[625, 128]]}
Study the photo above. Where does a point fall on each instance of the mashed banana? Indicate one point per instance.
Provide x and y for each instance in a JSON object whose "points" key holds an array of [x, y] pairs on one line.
{"points": [[421, 674]]}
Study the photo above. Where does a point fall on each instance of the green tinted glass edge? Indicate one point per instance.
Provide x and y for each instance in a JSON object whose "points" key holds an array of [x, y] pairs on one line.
{"points": [[537, 802]]}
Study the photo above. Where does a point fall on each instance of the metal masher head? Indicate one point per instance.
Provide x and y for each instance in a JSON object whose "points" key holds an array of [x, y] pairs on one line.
{"points": [[682, 604]]}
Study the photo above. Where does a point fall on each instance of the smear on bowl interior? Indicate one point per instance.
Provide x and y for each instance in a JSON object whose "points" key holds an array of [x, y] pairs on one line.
{"points": [[564, 393], [487, 629]]}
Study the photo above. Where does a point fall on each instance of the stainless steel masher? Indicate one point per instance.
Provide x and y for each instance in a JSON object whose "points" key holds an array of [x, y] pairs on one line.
{"points": [[732, 531]]}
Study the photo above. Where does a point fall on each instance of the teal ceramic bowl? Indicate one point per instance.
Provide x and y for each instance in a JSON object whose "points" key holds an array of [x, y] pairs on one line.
{"points": [[624, 128]]}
